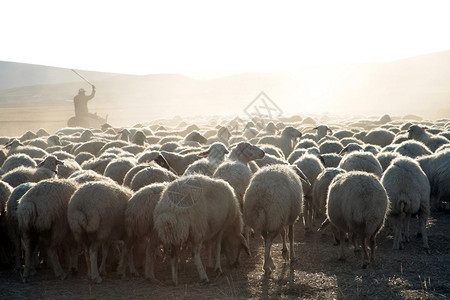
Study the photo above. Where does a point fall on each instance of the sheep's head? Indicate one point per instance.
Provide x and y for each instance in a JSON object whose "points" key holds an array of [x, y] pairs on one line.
{"points": [[350, 148], [232, 244], [246, 152], [415, 132], [291, 132], [54, 140], [216, 151], [51, 163], [13, 143], [86, 135], [271, 128], [322, 131], [139, 138], [196, 137]]}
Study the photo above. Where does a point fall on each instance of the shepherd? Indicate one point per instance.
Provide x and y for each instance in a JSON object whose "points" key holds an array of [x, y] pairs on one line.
{"points": [[80, 101]]}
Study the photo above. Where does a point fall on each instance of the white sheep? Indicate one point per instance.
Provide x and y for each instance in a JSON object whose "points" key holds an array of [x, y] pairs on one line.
{"points": [[118, 168], [102, 221], [81, 157], [322, 131], [361, 161], [93, 147], [330, 147], [42, 213], [179, 162], [285, 142], [272, 203], [213, 157], [13, 222], [385, 158], [17, 160], [5, 192], [151, 174], [45, 170], [431, 141], [17, 147], [408, 190], [311, 166], [68, 167], [331, 160], [139, 229], [320, 190], [357, 204], [196, 209], [379, 136], [83, 176], [412, 148], [437, 168]]}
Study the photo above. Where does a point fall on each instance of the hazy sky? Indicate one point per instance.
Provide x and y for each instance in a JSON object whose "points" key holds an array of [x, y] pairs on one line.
{"points": [[207, 38]]}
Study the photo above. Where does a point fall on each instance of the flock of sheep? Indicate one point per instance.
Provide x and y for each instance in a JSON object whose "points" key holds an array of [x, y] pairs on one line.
{"points": [[210, 186]]}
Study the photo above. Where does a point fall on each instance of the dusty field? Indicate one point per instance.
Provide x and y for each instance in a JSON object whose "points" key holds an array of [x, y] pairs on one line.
{"points": [[317, 274]]}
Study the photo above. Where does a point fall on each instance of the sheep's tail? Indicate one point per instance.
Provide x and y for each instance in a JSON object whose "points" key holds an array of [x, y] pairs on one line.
{"points": [[77, 221], [255, 220], [172, 229], [26, 215]]}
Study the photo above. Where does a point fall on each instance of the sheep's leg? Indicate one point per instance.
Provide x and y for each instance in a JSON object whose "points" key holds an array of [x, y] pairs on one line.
{"points": [[423, 216], [341, 244], [209, 251], [372, 245], [198, 262], [398, 228], [218, 268], [121, 269], [307, 214], [105, 250], [27, 247], [366, 254], [150, 253], [73, 259], [174, 264], [17, 253], [131, 265], [88, 261], [291, 242], [52, 256], [407, 219], [284, 251], [93, 253], [268, 262]]}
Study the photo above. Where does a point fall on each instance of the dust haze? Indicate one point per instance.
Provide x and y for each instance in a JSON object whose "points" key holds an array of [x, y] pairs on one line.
{"points": [[417, 85]]}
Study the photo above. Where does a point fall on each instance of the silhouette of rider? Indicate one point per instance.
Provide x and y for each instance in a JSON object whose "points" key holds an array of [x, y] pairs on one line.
{"points": [[80, 101]]}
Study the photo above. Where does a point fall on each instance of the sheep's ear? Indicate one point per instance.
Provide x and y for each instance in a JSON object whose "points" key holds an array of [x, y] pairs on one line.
{"points": [[40, 164], [203, 154], [329, 129], [322, 161], [226, 151], [244, 244], [59, 162], [301, 174], [324, 224], [343, 151], [315, 128], [160, 160]]}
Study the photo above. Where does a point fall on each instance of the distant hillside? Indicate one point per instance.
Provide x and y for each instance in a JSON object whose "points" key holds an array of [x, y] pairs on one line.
{"points": [[13, 75], [417, 85]]}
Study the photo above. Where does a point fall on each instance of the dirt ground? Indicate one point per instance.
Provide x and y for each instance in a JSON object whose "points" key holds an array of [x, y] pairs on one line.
{"points": [[317, 274]]}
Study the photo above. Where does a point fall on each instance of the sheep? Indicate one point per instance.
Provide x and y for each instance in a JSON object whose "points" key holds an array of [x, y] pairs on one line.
{"points": [[68, 167], [361, 161], [346, 141], [437, 168], [139, 228], [320, 189], [207, 166], [385, 158], [113, 144], [117, 168], [42, 215], [17, 160], [342, 134], [16, 147], [93, 147], [322, 131], [13, 222], [351, 147], [5, 192], [357, 204], [331, 160], [223, 136], [311, 166], [306, 143], [83, 156], [149, 175], [412, 148], [270, 160], [272, 202], [285, 142], [84, 176], [379, 136], [374, 149], [95, 222], [330, 147], [61, 155], [139, 138], [196, 209], [98, 164], [431, 141], [178, 162], [45, 170], [408, 190]]}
